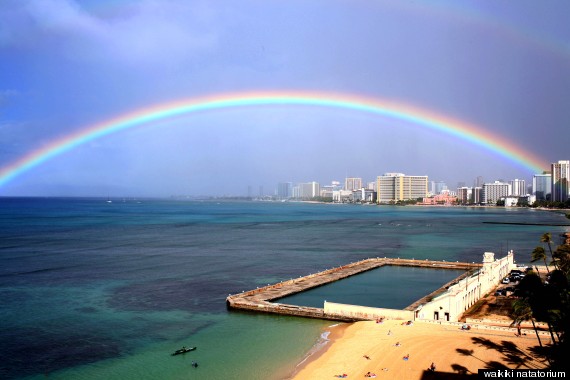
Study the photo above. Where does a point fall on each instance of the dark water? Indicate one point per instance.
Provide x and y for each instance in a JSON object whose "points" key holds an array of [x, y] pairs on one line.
{"points": [[90, 289]]}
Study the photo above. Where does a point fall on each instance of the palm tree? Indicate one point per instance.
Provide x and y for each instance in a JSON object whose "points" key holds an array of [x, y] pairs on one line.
{"points": [[539, 254], [562, 258], [547, 238], [523, 312]]}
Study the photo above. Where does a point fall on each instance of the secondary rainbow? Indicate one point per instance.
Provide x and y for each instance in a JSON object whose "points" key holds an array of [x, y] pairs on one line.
{"points": [[427, 119]]}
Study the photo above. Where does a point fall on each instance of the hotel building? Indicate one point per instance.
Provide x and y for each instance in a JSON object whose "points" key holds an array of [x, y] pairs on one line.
{"points": [[518, 187], [393, 187], [284, 190], [560, 177], [352, 183], [542, 186], [492, 192]]}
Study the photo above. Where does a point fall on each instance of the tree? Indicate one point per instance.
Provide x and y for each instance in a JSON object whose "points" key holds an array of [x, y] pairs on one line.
{"points": [[547, 238], [539, 254], [521, 312], [562, 258]]}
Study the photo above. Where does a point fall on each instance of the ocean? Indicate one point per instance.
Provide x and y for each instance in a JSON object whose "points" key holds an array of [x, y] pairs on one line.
{"points": [[97, 290]]}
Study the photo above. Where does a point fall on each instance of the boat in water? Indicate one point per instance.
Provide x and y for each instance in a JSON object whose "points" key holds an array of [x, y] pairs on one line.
{"points": [[183, 350]]}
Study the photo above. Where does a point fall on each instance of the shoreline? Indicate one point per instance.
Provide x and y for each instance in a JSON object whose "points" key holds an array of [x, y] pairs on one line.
{"points": [[362, 347], [336, 332]]}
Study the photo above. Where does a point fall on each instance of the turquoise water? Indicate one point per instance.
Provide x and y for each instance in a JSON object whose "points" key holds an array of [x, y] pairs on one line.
{"points": [[97, 290], [390, 287]]}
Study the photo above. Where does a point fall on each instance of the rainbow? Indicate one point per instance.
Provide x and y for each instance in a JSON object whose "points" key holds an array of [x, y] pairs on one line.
{"points": [[385, 108]]}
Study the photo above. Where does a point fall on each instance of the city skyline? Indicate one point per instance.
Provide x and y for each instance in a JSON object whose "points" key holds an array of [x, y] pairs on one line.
{"points": [[140, 98]]}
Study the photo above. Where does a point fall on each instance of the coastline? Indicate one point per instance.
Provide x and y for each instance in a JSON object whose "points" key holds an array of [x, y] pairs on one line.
{"points": [[373, 347], [336, 332]]}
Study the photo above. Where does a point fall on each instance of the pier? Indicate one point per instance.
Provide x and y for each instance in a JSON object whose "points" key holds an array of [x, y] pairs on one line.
{"points": [[260, 299]]}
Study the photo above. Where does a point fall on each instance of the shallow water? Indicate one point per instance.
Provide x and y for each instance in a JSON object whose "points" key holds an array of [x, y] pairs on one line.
{"points": [[97, 290]]}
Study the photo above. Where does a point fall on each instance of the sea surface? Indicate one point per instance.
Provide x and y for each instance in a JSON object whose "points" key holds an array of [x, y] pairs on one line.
{"points": [[97, 290]]}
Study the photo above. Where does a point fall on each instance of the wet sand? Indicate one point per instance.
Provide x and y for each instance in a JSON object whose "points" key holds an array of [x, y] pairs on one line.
{"points": [[451, 350]]}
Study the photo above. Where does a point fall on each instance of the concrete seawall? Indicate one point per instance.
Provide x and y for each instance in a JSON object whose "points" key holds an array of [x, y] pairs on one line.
{"points": [[260, 299]]}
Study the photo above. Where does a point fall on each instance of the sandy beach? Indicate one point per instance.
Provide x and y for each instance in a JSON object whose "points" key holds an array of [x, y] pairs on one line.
{"points": [[379, 348]]}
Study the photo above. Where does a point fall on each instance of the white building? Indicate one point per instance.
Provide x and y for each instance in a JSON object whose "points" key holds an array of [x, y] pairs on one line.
{"points": [[518, 187], [492, 192], [307, 190]]}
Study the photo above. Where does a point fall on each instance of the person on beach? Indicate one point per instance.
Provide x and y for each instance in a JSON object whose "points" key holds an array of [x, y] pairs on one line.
{"points": [[389, 332], [432, 367], [397, 344], [366, 357], [406, 357]]}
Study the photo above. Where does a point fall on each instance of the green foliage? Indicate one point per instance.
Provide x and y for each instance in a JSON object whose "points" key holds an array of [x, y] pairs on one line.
{"points": [[550, 204], [547, 301]]}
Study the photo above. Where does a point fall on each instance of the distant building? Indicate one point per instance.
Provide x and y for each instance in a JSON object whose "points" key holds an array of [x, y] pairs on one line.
{"points": [[476, 195], [309, 190], [464, 195], [352, 183], [492, 192], [479, 182], [327, 191], [284, 190], [342, 196], [393, 187], [518, 187], [446, 198], [560, 177], [437, 187], [363, 195], [542, 186], [524, 200]]}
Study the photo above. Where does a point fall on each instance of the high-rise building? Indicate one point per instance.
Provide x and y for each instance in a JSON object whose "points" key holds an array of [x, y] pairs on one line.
{"points": [[479, 182], [492, 192], [464, 195], [284, 190], [398, 186], [437, 187], [309, 190], [353, 183], [476, 195], [542, 186], [518, 187], [560, 177]]}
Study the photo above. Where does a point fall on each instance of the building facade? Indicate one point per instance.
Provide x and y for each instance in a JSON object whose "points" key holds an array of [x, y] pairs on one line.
{"points": [[518, 187], [352, 183], [464, 195], [284, 190], [364, 195], [492, 192], [393, 187], [560, 177], [542, 186]]}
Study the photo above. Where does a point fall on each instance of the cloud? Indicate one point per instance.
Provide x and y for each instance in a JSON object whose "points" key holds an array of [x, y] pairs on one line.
{"points": [[144, 33]]}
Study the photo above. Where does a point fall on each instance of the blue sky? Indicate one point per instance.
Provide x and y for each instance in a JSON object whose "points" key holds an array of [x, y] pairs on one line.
{"points": [[69, 64]]}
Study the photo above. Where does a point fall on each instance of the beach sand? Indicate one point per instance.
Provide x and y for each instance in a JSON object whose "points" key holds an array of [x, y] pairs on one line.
{"points": [[453, 351]]}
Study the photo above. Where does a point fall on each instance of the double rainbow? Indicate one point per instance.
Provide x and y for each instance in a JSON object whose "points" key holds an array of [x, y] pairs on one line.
{"points": [[462, 130]]}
